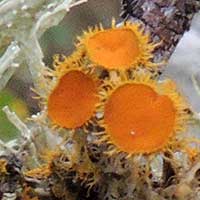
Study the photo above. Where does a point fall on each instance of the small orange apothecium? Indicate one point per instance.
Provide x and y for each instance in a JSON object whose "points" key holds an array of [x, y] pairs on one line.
{"points": [[123, 47], [72, 102]]}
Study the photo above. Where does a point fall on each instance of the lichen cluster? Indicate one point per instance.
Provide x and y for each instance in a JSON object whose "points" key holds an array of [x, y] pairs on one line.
{"points": [[140, 114], [119, 123], [109, 128]]}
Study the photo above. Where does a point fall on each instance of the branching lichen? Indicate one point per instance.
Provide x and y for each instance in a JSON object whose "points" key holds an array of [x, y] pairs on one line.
{"points": [[74, 161]]}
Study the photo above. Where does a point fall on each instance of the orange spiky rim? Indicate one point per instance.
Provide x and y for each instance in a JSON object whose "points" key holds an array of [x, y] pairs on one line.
{"points": [[62, 63], [29, 194], [44, 170], [141, 116], [71, 102], [123, 47]]}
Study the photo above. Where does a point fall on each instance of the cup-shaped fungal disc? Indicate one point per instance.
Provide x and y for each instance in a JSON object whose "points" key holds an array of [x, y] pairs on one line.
{"points": [[123, 47], [72, 101]]}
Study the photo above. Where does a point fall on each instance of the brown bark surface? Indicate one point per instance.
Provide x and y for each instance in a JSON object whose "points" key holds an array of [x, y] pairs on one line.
{"points": [[167, 20]]}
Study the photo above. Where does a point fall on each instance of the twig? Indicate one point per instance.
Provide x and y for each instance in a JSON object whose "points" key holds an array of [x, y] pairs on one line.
{"points": [[8, 57], [6, 147], [195, 84], [14, 119], [191, 174], [7, 5], [6, 77]]}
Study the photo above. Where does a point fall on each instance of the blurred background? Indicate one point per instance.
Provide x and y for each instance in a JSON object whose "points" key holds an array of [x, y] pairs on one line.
{"points": [[60, 39]]}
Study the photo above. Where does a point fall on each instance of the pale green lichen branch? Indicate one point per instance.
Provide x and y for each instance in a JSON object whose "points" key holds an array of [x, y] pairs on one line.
{"points": [[25, 21], [7, 66], [6, 148], [48, 19], [26, 134], [8, 57], [7, 5], [191, 173], [195, 84], [196, 115], [14, 119], [9, 196]]}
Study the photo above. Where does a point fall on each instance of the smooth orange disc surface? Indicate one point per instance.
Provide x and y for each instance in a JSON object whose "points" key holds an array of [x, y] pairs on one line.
{"points": [[139, 120], [113, 48], [73, 100]]}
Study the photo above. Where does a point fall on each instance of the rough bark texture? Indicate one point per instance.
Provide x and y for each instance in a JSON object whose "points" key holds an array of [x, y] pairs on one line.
{"points": [[167, 20]]}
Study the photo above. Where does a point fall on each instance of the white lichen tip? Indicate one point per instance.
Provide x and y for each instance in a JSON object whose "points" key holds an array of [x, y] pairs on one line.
{"points": [[8, 57], [6, 147]]}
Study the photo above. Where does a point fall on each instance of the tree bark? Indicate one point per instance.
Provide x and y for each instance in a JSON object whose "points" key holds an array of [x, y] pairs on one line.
{"points": [[167, 20]]}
